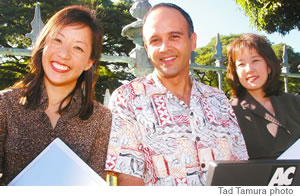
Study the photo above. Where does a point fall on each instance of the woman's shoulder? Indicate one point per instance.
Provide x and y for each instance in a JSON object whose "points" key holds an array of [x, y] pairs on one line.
{"points": [[9, 99], [101, 117], [101, 110], [5, 92], [9, 94], [288, 97]]}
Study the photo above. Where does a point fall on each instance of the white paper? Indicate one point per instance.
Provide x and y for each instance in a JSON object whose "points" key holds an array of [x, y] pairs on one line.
{"points": [[57, 165], [293, 152]]}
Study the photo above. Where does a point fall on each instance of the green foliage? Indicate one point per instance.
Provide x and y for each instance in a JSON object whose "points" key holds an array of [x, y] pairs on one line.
{"points": [[279, 16], [207, 52], [293, 61], [15, 19], [293, 57], [16, 16], [110, 80], [114, 16]]}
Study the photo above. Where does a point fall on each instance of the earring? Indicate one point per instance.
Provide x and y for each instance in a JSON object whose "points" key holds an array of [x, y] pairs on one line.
{"points": [[83, 88]]}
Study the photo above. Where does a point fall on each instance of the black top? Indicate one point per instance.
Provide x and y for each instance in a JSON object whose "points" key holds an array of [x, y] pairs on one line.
{"points": [[255, 122]]}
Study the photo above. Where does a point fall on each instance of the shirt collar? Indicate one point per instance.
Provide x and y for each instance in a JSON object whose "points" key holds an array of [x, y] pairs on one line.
{"points": [[249, 102], [161, 89], [164, 90], [74, 106]]}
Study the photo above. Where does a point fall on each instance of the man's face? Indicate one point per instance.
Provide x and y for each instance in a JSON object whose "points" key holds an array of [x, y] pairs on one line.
{"points": [[168, 43]]}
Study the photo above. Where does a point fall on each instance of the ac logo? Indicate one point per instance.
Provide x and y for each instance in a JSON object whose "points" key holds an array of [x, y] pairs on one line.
{"points": [[282, 176]]}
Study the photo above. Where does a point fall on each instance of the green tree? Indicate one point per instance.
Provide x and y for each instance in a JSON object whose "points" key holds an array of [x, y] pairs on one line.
{"points": [[15, 19], [206, 54], [272, 16], [293, 57], [114, 17], [293, 61]]}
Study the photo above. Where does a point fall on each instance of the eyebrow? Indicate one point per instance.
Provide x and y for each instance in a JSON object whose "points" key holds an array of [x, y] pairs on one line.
{"points": [[170, 33], [176, 32], [254, 56], [257, 56], [77, 41]]}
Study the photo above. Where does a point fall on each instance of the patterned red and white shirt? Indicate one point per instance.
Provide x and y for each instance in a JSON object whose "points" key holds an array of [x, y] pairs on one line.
{"points": [[157, 137]]}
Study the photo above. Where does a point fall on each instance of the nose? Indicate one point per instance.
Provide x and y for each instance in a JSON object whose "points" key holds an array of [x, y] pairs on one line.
{"points": [[164, 46], [64, 52], [249, 67]]}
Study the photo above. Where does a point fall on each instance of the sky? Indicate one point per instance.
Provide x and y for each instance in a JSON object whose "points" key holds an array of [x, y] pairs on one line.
{"points": [[224, 17]]}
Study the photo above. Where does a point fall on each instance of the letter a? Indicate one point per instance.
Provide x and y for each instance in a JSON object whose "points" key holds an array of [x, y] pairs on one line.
{"points": [[281, 177]]}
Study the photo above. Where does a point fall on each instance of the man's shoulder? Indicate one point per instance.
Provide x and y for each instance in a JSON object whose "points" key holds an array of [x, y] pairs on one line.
{"points": [[207, 90], [140, 82], [234, 101]]}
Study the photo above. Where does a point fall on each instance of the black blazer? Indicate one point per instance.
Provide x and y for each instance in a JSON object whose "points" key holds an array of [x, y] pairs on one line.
{"points": [[255, 122]]}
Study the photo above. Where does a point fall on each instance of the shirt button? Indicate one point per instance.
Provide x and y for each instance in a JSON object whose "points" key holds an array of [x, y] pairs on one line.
{"points": [[203, 165], [197, 138], [192, 113]]}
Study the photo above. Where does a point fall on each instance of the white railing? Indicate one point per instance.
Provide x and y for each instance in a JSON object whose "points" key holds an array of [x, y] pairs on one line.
{"points": [[138, 61]]}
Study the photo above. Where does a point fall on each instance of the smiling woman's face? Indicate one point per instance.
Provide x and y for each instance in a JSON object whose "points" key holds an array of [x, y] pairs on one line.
{"points": [[66, 55], [252, 70]]}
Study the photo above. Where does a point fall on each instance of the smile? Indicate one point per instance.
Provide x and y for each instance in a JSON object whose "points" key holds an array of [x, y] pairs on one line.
{"points": [[60, 68], [252, 78], [168, 59]]}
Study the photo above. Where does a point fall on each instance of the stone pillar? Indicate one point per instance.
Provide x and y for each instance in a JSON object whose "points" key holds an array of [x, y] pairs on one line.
{"points": [[219, 61], [285, 68], [133, 31], [36, 24]]}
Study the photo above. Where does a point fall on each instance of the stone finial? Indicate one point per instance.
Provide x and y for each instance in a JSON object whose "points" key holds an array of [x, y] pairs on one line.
{"points": [[219, 60], [285, 64], [194, 55], [218, 56], [36, 24], [139, 9], [133, 31], [106, 97]]}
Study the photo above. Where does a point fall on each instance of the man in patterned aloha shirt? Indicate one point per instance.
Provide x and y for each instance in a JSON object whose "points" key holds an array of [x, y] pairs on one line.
{"points": [[166, 126]]}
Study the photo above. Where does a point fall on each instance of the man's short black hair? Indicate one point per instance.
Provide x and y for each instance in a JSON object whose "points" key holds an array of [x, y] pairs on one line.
{"points": [[171, 5]]}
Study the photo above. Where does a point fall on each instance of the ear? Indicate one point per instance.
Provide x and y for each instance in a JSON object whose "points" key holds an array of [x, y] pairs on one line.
{"points": [[146, 47], [89, 65], [269, 70], [194, 40]]}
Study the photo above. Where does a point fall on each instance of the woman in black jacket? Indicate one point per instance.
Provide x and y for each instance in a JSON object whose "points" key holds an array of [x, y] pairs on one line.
{"points": [[269, 119]]}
